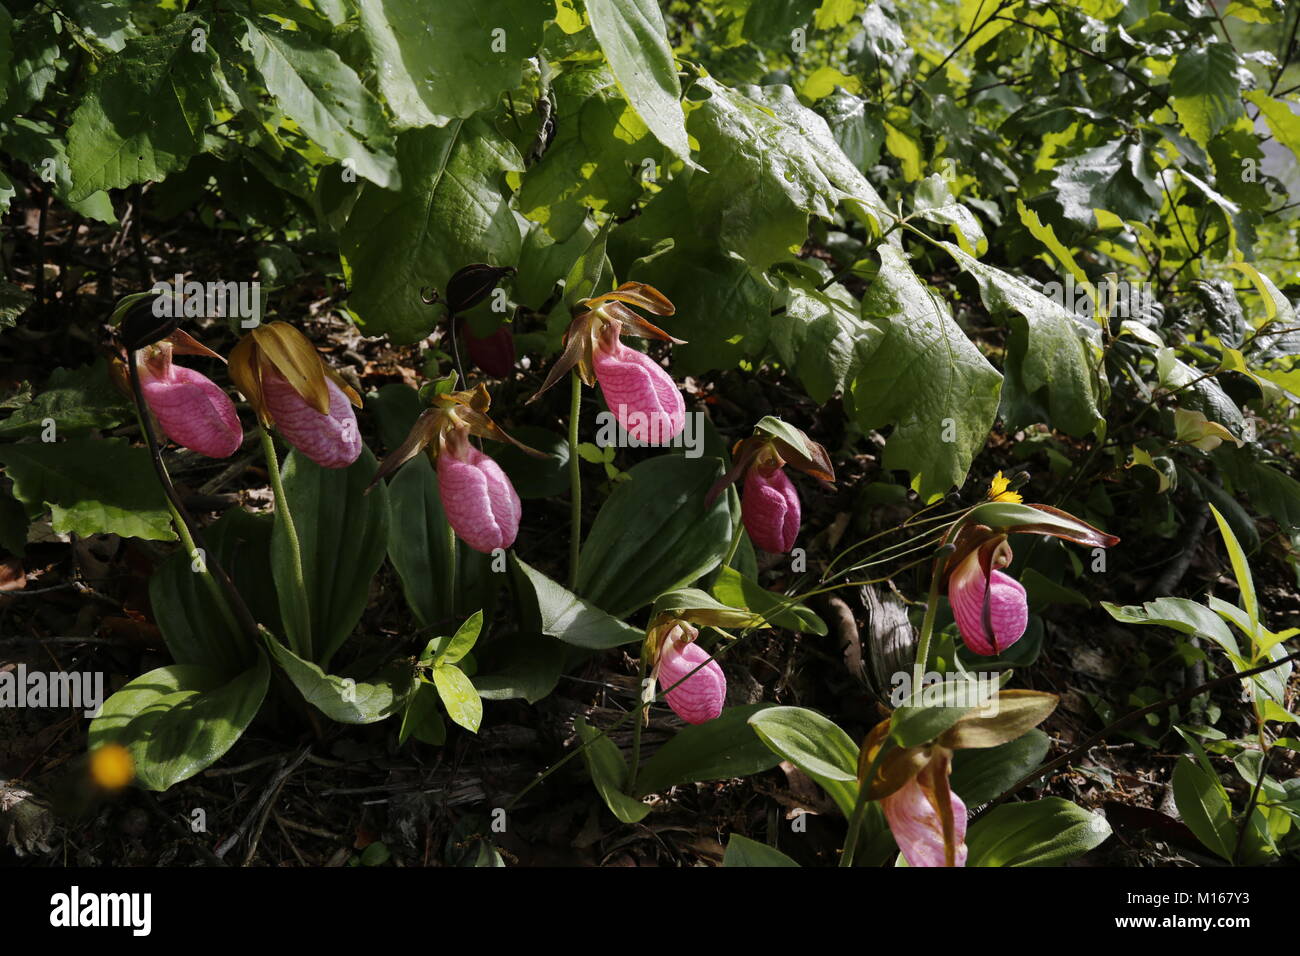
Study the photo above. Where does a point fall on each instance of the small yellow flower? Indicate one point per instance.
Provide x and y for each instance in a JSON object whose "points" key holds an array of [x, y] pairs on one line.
{"points": [[111, 767], [998, 490]]}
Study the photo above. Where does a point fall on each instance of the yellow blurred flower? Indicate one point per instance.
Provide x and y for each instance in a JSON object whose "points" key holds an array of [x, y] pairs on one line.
{"points": [[111, 767]]}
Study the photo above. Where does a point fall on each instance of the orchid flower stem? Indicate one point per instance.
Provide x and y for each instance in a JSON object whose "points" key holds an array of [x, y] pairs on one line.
{"points": [[299, 605], [218, 582], [735, 542], [641, 714], [860, 808], [195, 552], [575, 482], [927, 624]]}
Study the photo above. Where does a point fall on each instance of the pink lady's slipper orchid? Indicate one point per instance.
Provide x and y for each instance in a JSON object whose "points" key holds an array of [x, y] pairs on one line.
{"points": [[770, 505], [927, 819], [917, 819], [694, 693], [989, 605], [481, 505], [191, 409], [291, 388], [642, 396]]}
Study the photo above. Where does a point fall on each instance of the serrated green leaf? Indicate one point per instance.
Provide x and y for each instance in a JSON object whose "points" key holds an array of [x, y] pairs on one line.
{"points": [[324, 96], [436, 66], [926, 378], [145, 112], [91, 487], [635, 42], [451, 210]]}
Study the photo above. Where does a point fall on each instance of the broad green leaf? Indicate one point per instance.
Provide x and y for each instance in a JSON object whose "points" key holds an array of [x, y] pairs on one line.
{"points": [[561, 613], [1045, 234], [1114, 177], [451, 210], [1046, 832], [736, 590], [91, 486], [742, 851], [772, 162], [436, 65], [14, 301], [608, 772], [724, 307], [926, 378], [820, 337], [422, 719], [77, 400], [935, 202], [815, 745], [932, 710], [534, 477], [179, 719], [462, 642], [344, 699], [1181, 615], [979, 776], [420, 542], [145, 112], [323, 95], [1206, 90], [654, 533], [771, 22], [1271, 491], [35, 142], [1204, 806], [458, 696], [597, 160], [37, 57], [634, 39], [343, 534], [717, 749], [394, 408], [520, 666], [1052, 349]]}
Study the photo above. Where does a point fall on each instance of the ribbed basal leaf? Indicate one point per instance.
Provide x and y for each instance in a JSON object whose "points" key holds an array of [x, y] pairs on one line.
{"points": [[420, 543], [343, 533], [179, 719], [817, 746], [1047, 832], [558, 612], [344, 699], [718, 749], [654, 533], [192, 624]]}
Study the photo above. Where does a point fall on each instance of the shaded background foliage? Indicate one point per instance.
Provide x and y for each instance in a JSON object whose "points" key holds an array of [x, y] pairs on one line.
{"points": [[863, 203]]}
